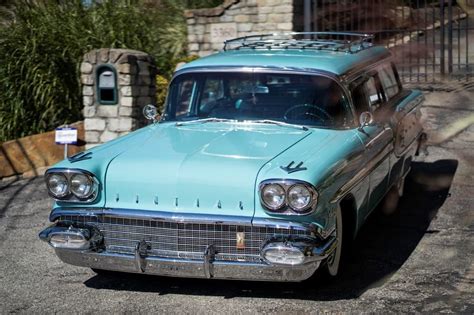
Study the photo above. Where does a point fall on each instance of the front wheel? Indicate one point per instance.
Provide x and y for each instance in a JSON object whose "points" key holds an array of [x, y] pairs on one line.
{"points": [[334, 260]]}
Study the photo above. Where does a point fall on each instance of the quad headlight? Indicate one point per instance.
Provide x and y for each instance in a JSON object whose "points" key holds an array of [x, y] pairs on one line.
{"points": [[288, 196], [82, 186], [58, 185], [71, 185], [273, 196], [299, 197]]}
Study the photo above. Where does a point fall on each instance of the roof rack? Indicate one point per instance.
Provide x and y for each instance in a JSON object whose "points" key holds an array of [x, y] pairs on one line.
{"points": [[349, 42]]}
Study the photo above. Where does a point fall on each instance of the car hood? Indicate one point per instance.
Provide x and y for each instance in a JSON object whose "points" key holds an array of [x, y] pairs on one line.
{"points": [[203, 168]]}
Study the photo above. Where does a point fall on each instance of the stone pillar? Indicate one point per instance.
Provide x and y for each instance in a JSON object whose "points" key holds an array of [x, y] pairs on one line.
{"points": [[134, 75], [208, 28]]}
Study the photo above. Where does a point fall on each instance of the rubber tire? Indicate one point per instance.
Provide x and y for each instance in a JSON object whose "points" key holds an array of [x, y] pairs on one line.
{"points": [[333, 262]]}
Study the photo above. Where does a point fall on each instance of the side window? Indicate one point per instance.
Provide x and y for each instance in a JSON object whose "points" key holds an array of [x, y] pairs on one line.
{"points": [[374, 92], [185, 96], [359, 98], [389, 81]]}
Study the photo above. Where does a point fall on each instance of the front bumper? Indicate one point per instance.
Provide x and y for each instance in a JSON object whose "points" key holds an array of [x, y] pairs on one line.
{"points": [[83, 245], [188, 268]]}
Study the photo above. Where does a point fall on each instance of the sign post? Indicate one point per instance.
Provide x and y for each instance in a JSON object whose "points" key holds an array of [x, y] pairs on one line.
{"points": [[66, 135]]}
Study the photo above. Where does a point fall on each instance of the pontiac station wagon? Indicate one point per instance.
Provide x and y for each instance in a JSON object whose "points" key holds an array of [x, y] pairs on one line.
{"points": [[267, 160]]}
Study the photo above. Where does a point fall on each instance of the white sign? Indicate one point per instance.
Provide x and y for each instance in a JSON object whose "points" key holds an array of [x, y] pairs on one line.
{"points": [[223, 31], [66, 135]]}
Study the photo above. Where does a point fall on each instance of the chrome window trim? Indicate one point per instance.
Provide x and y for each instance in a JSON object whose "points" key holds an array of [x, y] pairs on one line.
{"points": [[379, 136], [287, 184], [70, 196]]}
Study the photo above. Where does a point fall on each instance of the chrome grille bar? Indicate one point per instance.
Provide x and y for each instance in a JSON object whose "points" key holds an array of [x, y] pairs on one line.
{"points": [[182, 240]]}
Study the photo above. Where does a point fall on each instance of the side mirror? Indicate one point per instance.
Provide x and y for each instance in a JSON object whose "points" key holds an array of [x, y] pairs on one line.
{"points": [[365, 119], [150, 112]]}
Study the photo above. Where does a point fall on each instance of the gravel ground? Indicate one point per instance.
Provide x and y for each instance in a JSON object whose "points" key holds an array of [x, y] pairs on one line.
{"points": [[417, 260]]}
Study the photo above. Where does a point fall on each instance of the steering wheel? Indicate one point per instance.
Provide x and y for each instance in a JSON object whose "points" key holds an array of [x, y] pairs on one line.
{"points": [[307, 110]]}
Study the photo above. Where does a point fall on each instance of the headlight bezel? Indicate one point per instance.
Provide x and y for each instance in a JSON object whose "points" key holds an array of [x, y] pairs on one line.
{"points": [[287, 208], [71, 196]]}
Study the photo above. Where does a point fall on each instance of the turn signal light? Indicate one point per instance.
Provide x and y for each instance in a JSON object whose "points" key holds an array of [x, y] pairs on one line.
{"points": [[283, 254]]}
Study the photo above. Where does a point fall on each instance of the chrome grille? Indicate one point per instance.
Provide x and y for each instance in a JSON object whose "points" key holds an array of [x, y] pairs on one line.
{"points": [[182, 240]]}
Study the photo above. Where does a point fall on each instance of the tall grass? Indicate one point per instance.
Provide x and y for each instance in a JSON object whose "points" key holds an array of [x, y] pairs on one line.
{"points": [[42, 44]]}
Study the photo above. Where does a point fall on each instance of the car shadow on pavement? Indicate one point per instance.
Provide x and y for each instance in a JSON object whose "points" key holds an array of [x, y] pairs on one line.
{"points": [[384, 243]]}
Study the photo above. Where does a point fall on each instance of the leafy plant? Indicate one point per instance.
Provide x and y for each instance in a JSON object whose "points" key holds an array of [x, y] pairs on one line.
{"points": [[42, 44]]}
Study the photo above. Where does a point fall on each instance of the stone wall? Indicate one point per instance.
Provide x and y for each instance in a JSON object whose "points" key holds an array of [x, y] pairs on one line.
{"points": [[136, 86], [208, 28]]}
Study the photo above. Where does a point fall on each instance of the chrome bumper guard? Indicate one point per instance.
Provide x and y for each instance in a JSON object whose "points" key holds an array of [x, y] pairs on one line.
{"points": [[83, 246]]}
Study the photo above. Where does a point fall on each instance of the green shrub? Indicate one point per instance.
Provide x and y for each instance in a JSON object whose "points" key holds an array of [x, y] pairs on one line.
{"points": [[42, 44]]}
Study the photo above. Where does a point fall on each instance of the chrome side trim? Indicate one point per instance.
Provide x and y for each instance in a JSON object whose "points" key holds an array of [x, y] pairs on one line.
{"points": [[379, 136], [313, 227], [372, 164]]}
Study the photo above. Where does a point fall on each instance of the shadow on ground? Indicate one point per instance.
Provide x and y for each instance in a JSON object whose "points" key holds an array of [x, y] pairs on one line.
{"points": [[18, 187], [381, 248]]}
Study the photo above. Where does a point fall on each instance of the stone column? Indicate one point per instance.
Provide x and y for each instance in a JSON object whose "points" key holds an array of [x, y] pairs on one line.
{"points": [[135, 73], [208, 28]]}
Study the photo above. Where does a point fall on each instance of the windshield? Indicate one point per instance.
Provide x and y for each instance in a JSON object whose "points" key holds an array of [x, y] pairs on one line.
{"points": [[308, 100]]}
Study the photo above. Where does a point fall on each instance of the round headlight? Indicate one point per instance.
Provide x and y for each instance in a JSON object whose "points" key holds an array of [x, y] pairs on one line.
{"points": [[273, 196], [57, 185], [299, 197], [82, 186]]}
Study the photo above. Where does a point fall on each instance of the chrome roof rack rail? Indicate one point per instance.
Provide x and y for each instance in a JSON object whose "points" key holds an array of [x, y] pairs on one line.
{"points": [[349, 42]]}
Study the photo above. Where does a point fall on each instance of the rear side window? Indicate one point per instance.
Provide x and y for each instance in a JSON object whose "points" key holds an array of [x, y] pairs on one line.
{"points": [[389, 81], [374, 93]]}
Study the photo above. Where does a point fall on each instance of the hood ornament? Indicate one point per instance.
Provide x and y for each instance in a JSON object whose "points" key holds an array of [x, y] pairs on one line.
{"points": [[290, 169]]}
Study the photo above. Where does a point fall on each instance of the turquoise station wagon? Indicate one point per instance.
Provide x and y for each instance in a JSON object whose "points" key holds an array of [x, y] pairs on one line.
{"points": [[268, 159]]}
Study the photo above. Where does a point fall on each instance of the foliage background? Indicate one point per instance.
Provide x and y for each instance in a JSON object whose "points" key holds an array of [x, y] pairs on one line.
{"points": [[42, 44]]}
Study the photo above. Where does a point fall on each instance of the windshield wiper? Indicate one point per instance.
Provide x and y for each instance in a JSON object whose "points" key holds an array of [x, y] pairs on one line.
{"points": [[279, 123], [202, 121]]}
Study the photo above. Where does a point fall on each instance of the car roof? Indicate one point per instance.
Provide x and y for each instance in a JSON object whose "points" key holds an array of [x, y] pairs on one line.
{"points": [[335, 62]]}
